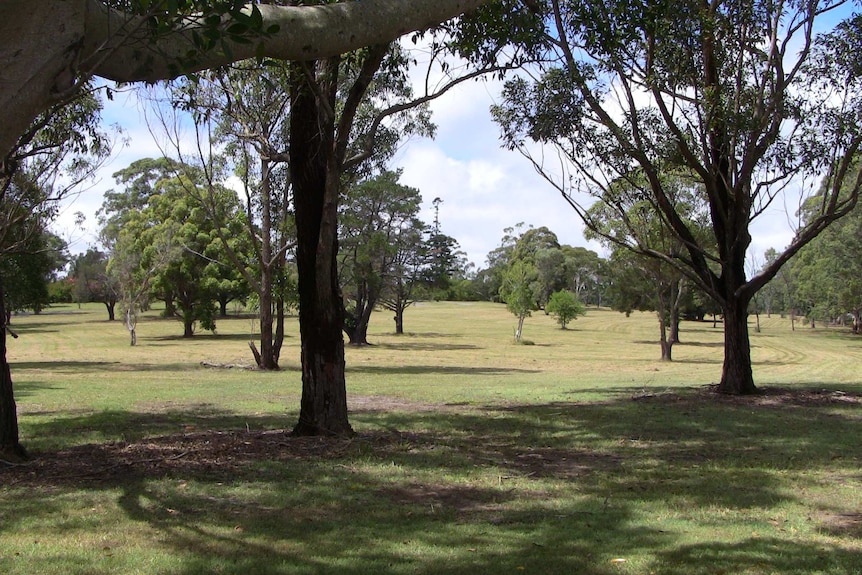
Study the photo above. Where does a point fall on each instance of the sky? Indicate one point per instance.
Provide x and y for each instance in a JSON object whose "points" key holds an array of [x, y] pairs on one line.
{"points": [[483, 187]]}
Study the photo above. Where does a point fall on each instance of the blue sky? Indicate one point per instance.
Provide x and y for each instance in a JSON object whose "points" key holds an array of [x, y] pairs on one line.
{"points": [[484, 188]]}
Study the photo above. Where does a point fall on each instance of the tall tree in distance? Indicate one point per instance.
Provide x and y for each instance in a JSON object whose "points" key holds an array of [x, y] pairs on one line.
{"points": [[379, 217], [519, 291], [741, 96], [89, 271]]}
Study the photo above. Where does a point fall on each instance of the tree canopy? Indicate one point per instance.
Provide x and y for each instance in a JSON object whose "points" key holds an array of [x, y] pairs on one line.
{"points": [[742, 97]]}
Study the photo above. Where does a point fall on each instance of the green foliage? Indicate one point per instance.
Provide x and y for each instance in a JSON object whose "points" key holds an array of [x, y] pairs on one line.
{"points": [[380, 246], [170, 246], [28, 273], [565, 307], [518, 290]]}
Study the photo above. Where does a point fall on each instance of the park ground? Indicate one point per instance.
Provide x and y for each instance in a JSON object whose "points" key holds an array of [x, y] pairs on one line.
{"points": [[578, 454]]}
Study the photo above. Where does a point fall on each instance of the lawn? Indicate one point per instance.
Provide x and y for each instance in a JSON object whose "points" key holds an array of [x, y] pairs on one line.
{"points": [[579, 454]]}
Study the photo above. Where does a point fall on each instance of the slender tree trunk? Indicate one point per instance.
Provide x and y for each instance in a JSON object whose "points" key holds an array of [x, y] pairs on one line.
{"points": [[267, 359], [676, 303], [131, 325], [315, 177], [279, 329], [10, 446], [520, 327], [109, 305], [736, 376]]}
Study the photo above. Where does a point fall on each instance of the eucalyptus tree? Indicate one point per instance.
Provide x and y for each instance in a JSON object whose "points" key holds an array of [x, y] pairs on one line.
{"points": [[518, 290], [89, 271], [742, 95], [827, 272], [405, 280], [379, 222], [625, 217], [241, 114]]}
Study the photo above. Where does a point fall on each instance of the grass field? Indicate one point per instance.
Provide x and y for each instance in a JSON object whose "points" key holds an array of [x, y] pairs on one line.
{"points": [[580, 454]]}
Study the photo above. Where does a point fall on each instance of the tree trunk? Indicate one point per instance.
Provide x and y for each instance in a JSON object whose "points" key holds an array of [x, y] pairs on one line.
{"points": [[315, 177], [110, 307], [222, 306], [399, 320], [279, 329], [666, 342], [131, 324], [188, 327], [359, 331], [10, 447], [267, 359], [520, 327], [736, 375]]}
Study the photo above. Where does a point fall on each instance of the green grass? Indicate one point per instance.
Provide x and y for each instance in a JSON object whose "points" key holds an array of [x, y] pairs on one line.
{"points": [[581, 454]]}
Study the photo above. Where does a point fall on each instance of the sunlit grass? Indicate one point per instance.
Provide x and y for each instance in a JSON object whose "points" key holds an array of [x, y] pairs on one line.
{"points": [[580, 454]]}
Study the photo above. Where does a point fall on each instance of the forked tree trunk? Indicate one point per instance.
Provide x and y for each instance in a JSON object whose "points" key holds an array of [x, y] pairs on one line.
{"points": [[314, 174], [10, 446], [109, 305], [736, 375]]}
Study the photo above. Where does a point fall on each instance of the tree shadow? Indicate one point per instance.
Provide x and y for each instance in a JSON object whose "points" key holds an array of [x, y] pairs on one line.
{"points": [[425, 346], [436, 369], [554, 488], [88, 366]]}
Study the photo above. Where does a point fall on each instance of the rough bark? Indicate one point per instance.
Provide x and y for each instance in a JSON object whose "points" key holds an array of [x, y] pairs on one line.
{"points": [[47, 45], [315, 177], [736, 374], [10, 446]]}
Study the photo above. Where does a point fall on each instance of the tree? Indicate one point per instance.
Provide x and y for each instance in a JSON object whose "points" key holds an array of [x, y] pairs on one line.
{"points": [[565, 306], [378, 215], [58, 151], [519, 291], [89, 271], [828, 271], [96, 39], [740, 95], [137, 40], [32, 270], [405, 273]]}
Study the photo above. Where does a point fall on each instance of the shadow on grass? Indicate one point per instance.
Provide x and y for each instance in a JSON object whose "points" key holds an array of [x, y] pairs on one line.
{"points": [[552, 488], [28, 388], [89, 366], [425, 346], [437, 369]]}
